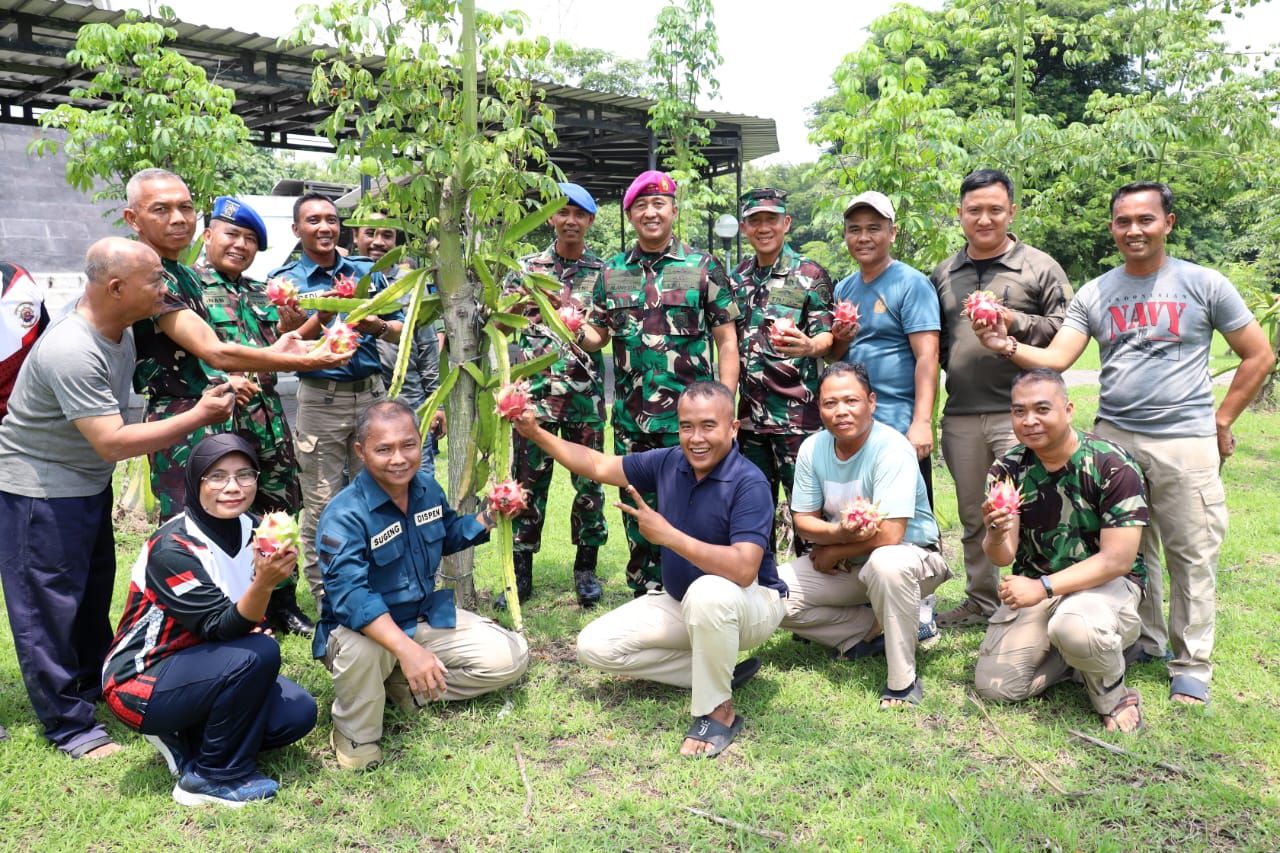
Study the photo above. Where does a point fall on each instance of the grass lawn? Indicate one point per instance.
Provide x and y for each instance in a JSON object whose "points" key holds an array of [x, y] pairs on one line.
{"points": [[817, 765]]}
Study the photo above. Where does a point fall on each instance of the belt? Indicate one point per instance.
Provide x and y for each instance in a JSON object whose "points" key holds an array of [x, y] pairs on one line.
{"points": [[369, 383]]}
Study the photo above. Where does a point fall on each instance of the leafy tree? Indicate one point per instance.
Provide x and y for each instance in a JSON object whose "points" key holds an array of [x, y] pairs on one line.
{"points": [[684, 54], [160, 110], [595, 69], [454, 166]]}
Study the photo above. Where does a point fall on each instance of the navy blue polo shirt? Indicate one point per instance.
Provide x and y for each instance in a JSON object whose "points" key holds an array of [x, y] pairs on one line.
{"points": [[731, 504], [310, 277]]}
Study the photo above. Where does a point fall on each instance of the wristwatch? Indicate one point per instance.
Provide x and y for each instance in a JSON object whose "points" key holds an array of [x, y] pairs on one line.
{"points": [[1048, 587]]}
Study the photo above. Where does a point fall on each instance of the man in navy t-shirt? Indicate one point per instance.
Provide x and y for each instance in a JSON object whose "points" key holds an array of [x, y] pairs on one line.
{"points": [[721, 592]]}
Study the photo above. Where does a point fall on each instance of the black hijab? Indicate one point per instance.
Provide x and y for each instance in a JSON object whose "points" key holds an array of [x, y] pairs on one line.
{"points": [[225, 532]]}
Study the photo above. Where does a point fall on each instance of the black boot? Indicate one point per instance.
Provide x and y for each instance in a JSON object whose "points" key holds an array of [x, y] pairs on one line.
{"points": [[584, 577], [524, 579], [284, 615]]}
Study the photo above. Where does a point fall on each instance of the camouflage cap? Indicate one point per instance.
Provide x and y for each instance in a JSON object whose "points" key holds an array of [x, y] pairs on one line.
{"points": [[763, 199]]}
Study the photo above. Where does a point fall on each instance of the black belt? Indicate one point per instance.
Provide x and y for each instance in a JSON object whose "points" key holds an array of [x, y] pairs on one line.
{"points": [[331, 386]]}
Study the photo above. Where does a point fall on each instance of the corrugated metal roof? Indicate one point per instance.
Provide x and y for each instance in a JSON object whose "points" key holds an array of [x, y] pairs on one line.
{"points": [[603, 138]]}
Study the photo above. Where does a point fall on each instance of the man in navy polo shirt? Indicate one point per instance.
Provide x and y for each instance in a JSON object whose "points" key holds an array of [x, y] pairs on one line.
{"points": [[329, 401], [721, 591]]}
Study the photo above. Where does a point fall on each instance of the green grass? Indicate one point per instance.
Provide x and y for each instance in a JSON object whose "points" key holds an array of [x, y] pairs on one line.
{"points": [[817, 762]]}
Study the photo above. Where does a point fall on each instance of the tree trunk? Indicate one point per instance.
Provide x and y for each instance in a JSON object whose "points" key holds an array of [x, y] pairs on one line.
{"points": [[461, 300]]}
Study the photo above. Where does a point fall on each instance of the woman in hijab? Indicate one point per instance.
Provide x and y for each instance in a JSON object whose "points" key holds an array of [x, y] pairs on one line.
{"points": [[190, 667]]}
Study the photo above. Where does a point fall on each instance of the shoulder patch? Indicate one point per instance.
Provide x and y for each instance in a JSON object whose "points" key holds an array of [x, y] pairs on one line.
{"points": [[183, 583], [332, 542]]}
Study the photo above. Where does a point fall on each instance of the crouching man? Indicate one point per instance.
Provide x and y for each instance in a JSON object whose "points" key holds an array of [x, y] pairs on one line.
{"points": [[859, 589], [1072, 600], [720, 589], [385, 630]]}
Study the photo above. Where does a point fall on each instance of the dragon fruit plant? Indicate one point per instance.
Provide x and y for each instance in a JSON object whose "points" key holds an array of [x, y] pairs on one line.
{"points": [[508, 498], [513, 400]]}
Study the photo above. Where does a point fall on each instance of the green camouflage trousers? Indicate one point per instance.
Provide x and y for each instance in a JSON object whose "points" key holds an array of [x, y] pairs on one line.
{"points": [[533, 468], [644, 568], [775, 454]]}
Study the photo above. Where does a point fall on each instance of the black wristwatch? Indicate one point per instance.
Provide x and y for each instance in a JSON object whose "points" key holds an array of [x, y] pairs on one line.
{"points": [[1048, 587]]}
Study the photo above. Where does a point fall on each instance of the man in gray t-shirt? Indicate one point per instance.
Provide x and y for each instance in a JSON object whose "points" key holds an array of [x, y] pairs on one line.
{"points": [[1154, 318], [58, 447]]}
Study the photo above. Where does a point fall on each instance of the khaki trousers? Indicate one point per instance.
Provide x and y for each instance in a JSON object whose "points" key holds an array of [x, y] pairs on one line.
{"points": [[480, 655], [1027, 650], [693, 643], [832, 609], [1189, 518], [325, 442], [970, 444]]}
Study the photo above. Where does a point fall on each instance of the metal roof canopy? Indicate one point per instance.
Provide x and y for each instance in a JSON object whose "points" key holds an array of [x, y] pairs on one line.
{"points": [[603, 138]]}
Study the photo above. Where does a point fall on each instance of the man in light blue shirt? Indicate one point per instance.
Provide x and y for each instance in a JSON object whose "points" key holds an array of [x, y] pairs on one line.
{"points": [[898, 326], [889, 563]]}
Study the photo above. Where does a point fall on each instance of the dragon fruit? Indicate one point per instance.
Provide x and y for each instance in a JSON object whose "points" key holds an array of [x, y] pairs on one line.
{"points": [[571, 315], [276, 532], [1003, 494], [513, 400], [846, 312], [344, 286], [860, 513], [982, 306], [341, 338], [281, 291], [779, 328], [507, 498]]}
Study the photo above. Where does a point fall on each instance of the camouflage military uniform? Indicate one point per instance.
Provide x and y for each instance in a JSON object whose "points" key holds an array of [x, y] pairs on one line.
{"points": [[660, 310], [778, 402], [569, 400], [172, 380]]}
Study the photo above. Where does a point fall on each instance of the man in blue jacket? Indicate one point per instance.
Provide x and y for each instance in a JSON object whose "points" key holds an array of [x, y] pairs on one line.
{"points": [[385, 630]]}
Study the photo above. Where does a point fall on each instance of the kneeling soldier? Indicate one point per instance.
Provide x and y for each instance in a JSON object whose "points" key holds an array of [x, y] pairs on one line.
{"points": [[1072, 600]]}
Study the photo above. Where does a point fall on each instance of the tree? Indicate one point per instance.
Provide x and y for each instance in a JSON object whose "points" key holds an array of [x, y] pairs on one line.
{"points": [[453, 166], [595, 69], [684, 54], [160, 111]]}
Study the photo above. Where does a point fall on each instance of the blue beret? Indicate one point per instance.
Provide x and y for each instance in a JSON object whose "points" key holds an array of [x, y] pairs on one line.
{"points": [[579, 196], [236, 212]]}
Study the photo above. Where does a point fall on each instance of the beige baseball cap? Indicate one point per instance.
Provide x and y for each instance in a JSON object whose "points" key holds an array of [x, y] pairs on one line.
{"points": [[879, 202]]}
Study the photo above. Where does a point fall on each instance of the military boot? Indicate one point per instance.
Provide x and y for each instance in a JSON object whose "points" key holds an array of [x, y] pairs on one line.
{"points": [[584, 576], [284, 614], [524, 579]]}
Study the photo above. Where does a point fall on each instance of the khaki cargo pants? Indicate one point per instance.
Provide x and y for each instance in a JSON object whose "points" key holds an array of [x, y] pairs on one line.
{"points": [[1027, 650], [832, 609]]}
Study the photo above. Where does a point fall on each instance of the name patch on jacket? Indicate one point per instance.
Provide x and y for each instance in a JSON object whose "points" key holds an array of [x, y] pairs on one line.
{"points": [[428, 515], [386, 536]]}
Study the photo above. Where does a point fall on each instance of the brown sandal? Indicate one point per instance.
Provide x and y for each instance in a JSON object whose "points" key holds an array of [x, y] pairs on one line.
{"points": [[1132, 699]]}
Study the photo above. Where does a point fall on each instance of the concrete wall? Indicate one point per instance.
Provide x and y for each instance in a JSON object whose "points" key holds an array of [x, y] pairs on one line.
{"points": [[45, 225]]}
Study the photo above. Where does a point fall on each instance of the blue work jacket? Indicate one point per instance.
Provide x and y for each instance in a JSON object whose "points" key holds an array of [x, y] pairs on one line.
{"points": [[310, 277], [376, 559]]}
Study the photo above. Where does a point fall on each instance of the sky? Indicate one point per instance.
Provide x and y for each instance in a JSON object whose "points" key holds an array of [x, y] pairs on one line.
{"points": [[778, 54]]}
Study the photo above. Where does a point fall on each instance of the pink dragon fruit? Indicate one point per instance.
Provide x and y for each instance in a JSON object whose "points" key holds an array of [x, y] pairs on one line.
{"points": [[779, 328], [982, 306], [276, 532], [281, 291], [846, 312], [507, 498], [861, 512], [571, 315], [1003, 494], [344, 286], [341, 338], [513, 400]]}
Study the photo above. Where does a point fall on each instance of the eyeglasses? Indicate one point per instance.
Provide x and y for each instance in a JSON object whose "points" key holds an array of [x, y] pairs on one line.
{"points": [[245, 478]]}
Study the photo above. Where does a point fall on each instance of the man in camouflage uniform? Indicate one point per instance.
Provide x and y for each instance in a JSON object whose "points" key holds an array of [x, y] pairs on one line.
{"points": [[1070, 608], [568, 400], [667, 308], [778, 402], [179, 352]]}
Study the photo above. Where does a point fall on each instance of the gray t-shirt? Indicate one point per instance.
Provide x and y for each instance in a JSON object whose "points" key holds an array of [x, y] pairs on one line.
{"points": [[73, 372], [1154, 333]]}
